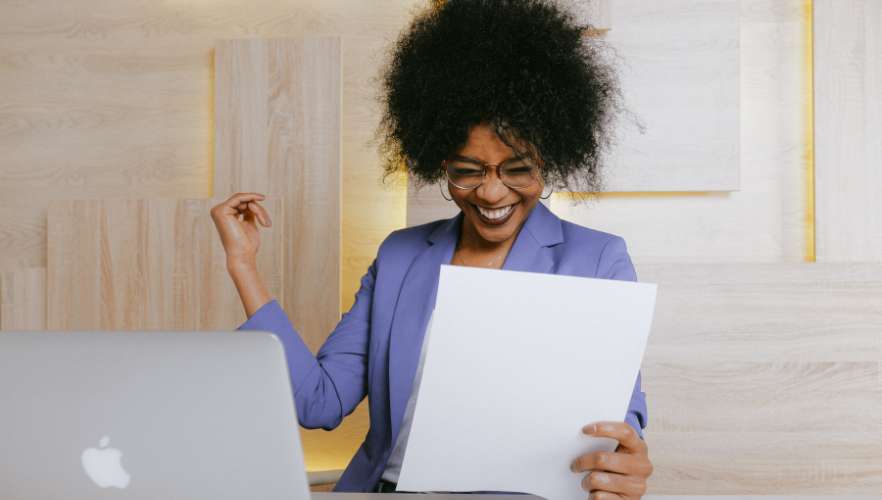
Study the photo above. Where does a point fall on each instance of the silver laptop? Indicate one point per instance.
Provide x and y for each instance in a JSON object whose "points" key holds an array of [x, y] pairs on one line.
{"points": [[131, 415]]}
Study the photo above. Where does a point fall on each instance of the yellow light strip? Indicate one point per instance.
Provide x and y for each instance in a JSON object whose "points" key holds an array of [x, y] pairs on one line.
{"points": [[809, 128]]}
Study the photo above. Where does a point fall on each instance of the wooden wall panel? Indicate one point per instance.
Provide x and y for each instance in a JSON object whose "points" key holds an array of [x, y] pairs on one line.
{"points": [[848, 130], [763, 378], [765, 220], [277, 118], [120, 106], [147, 264], [23, 299], [279, 131], [679, 68], [756, 462]]}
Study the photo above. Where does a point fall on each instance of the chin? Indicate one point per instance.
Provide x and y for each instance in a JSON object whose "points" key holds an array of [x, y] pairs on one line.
{"points": [[496, 234]]}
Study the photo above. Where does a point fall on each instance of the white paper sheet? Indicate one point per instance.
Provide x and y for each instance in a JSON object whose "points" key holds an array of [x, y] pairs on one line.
{"points": [[517, 363]]}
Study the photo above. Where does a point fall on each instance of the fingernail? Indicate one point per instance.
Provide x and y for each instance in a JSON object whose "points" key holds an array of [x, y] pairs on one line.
{"points": [[589, 429], [573, 466]]}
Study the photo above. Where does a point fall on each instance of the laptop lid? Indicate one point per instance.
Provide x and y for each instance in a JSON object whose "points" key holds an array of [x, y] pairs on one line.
{"points": [[132, 415]]}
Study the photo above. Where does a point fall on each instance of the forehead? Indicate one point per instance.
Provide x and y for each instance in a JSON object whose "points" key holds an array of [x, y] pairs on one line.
{"points": [[484, 144]]}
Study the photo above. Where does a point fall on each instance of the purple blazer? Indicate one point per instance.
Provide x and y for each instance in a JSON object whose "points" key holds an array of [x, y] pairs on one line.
{"points": [[374, 349]]}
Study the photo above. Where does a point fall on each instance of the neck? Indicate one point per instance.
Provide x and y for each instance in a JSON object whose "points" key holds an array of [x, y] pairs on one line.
{"points": [[472, 242]]}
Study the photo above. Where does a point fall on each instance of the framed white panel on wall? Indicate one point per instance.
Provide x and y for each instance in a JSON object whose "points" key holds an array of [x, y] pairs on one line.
{"points": [[678, 62]]}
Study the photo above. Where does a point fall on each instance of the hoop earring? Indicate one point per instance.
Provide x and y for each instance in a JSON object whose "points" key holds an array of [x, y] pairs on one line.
{"points": [[549, 193], [441, 188]]}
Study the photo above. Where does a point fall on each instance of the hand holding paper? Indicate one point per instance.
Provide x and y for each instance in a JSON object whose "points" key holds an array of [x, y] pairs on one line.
{"points": [[624, 471], [517, 363]]}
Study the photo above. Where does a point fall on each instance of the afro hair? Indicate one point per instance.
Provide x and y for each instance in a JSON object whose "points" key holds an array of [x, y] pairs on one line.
{"points": [[522, 66]]}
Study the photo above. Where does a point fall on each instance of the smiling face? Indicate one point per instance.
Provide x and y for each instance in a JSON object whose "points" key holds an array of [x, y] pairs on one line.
{"points": [[498, 199]]}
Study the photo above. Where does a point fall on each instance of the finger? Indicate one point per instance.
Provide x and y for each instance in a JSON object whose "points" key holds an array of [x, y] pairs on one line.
{"points": [[620, 431], [252, 213], [614, 483], [624, 463], [252, 208], [261, 212], [239, 198], [231, 206]]}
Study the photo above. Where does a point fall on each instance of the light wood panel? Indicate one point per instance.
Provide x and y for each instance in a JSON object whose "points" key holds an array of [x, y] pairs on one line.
{"points": [[679, 68], [763, 378], [848, 130], [120, 106], [765, 220], [277, 120], [278, 132], [767, 312], [22, 237], [23, 299], [765, 463], [147, 264]]}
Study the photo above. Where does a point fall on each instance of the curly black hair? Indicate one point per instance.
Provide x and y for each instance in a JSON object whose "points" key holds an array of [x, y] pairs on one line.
{"points": [[523, 66]]}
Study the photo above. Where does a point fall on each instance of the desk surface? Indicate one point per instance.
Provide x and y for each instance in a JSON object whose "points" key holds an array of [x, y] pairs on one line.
{"points": [[467, 496]]}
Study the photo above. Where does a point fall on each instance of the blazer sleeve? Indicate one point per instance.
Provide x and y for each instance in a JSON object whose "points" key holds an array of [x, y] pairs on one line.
{"points": [[329, 385], [615, 263]]}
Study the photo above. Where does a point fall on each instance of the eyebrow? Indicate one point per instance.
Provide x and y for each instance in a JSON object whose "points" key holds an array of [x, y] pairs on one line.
{"points": [[479, 162]]}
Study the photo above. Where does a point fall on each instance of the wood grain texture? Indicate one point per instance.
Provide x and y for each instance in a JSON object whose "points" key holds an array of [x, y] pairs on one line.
{"points": [[278, 132], [23, 299], [120, 105], [23, 237], [845, 462], [766, 312], [147, 265], [763, 378], [848, 130], [764, 220], [679, 69]]}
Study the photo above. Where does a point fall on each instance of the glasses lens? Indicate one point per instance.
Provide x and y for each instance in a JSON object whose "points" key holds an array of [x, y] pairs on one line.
{"points": [[520, 173], [464, 175]]}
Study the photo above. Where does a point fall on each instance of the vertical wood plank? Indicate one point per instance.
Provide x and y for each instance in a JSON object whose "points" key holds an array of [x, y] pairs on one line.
{"points": [[848, 130], [278, 104], [23, 299]]}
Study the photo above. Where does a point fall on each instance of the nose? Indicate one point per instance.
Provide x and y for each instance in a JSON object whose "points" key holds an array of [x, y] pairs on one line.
{"points": [[492, 190]]}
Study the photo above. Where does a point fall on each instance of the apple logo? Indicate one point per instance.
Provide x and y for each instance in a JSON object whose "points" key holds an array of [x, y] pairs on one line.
{"points": [[103, 466]]}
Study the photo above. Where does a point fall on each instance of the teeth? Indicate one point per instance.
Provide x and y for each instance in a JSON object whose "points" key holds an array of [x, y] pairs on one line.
{"points": [[495, 214]]}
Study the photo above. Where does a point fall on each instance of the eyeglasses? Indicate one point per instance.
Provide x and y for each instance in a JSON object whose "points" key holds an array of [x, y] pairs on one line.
{"points": [[465, 173]]}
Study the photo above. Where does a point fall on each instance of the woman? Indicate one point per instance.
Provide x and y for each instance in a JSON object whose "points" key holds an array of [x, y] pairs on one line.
{"points": [[497, 99]]}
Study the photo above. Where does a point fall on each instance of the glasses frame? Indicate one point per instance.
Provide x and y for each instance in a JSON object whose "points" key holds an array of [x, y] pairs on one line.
{"points": [[485, 167]]}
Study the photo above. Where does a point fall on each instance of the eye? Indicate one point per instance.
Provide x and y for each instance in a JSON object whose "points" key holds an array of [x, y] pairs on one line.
{"points": [[464, 170]]}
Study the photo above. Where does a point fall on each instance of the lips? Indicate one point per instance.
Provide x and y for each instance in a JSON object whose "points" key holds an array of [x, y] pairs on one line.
{"points": [[494, 217]]}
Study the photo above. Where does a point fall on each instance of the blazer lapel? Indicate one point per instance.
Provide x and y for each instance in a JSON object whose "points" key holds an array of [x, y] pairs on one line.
{"points": [[530, 252], [415, 302]]}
